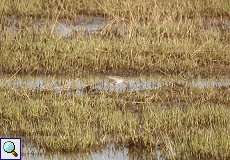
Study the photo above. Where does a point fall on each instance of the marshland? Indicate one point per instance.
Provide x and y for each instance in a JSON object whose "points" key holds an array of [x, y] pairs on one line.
{"points": [[113, 79]]}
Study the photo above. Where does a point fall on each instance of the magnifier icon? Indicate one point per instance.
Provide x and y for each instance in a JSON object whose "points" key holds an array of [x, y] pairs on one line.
{"points": [[9, 147]]}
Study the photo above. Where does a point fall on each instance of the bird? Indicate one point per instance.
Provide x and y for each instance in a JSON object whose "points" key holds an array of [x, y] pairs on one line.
{"points": [[158, 152], [117, 80], [114, 80]]}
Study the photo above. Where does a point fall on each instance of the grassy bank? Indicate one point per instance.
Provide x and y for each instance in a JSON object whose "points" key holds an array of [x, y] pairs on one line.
{"points": [[199, 53], [61, 123], [131, 9], [170, 37]]}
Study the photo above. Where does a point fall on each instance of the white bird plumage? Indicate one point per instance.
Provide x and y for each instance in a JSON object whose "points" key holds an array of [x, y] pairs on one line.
{"points": [[116, 79]]}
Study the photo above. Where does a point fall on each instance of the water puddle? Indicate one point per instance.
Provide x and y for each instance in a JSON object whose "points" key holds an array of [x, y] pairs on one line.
{"points": [[102, 83], [86, 24], [108, 153], [61, 28]]}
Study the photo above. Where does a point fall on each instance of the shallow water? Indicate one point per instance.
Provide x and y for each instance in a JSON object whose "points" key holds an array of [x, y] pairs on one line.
{"points": [[88, 25], [61, 28], [108, 153], [76, 85]]}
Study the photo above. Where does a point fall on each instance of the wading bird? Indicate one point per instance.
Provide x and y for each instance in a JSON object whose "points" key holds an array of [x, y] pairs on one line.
{"points": [[114, 80], [117, 80], [158, 151]]}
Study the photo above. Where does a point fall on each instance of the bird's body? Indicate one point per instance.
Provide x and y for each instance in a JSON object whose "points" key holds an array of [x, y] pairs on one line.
{"points": [[158, 152], [116, 80]]}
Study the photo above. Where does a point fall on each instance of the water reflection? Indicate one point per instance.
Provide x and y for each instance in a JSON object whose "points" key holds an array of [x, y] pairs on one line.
{"points": [[108, 153], [61, 28], [102, 83]]}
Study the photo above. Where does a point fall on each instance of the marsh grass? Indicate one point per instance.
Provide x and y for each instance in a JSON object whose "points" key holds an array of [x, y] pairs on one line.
{"points": [[71, 123], [35, 54], [170, 37], [143, 36], [130, 9]]}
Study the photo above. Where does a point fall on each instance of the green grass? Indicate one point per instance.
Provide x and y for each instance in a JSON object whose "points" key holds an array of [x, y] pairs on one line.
{"points": [[194, 130]]}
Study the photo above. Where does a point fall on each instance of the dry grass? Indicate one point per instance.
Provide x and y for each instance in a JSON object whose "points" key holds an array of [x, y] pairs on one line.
{"points": [[169, 37], [197, 55], [192, 130], [134, 10]]}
